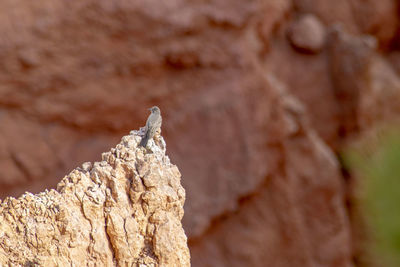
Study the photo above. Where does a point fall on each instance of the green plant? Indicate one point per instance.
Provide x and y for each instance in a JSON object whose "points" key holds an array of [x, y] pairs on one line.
{"points": [[377, 163]]}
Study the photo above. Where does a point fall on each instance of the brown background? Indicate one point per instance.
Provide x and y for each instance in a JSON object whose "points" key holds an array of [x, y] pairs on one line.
{"points": [[256, 98]]}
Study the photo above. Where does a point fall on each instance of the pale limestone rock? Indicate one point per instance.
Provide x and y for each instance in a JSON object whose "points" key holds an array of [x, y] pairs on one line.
{"points": [[123, 211]]}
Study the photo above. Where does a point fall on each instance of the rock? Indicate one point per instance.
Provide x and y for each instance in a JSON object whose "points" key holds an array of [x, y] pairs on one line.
{"points": [[91, 219], [301, 168], [350, 62], [330, 12], [246, 117], [394, 60], [377, 18], [28, 58], [381, 103], [307, 34]]}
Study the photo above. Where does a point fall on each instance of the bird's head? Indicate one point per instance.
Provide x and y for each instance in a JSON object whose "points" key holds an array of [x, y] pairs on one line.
{"points": [[154, 109]]}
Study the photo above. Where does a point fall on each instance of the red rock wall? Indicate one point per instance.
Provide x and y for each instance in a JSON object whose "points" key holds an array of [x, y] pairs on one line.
{"points": [[255, 97]]}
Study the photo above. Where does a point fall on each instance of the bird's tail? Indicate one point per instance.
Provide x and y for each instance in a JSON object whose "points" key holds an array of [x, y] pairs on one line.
{"points": [[144, 140]]}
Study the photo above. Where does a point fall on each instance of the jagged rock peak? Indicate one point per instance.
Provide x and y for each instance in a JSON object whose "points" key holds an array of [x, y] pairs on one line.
{"points": [[125, 210]]}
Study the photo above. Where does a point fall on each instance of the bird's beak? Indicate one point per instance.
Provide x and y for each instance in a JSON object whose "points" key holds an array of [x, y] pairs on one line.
{"points": [[150, 109]]}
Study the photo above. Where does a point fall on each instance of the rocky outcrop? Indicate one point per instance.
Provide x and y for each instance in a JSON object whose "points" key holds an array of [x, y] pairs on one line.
{"points": [[122, 211], [252, 117]]}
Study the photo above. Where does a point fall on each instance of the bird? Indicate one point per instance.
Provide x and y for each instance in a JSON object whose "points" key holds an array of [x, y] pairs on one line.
{"points": [[153, 125]]}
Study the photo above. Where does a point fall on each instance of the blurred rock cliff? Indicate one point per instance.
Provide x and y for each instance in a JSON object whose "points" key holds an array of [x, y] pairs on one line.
{"points": [[256, 96]]}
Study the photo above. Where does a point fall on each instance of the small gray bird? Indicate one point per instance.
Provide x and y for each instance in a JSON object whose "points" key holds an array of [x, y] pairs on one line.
{"points": [[153, 125]]}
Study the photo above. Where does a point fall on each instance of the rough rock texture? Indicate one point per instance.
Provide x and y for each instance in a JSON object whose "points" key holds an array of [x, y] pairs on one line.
{"points": [[122, 211], [251, 121]]}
